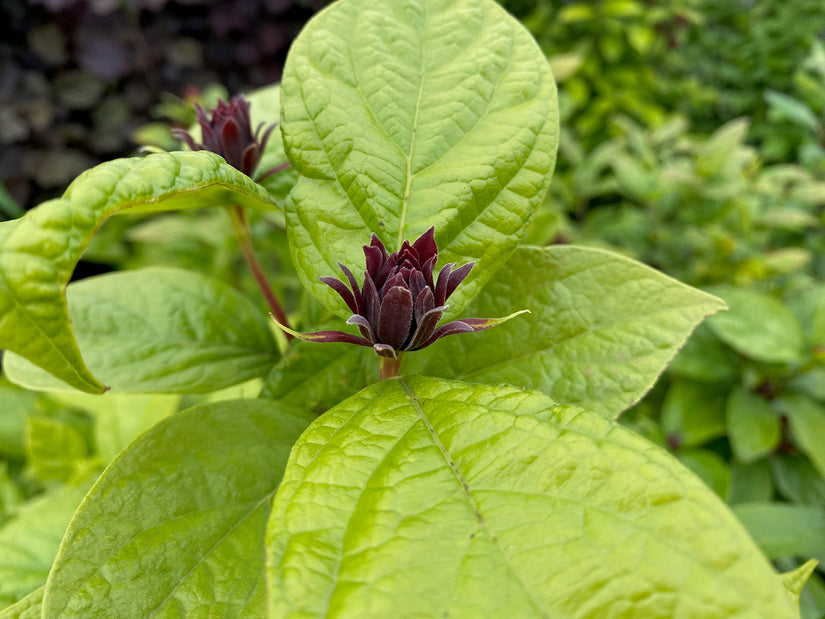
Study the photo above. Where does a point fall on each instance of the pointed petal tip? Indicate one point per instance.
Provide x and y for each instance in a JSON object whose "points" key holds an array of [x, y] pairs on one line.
{"points": [[324, 337]]}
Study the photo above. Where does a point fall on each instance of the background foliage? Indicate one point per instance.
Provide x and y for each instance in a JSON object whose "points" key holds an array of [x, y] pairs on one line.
{"points": [[692, 139]]}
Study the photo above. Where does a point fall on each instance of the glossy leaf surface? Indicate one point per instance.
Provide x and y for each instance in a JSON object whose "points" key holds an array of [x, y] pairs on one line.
{"points": [[443, 498], [409, 114], [175, 526], [39, 251], [161, 330], [602, 328]]}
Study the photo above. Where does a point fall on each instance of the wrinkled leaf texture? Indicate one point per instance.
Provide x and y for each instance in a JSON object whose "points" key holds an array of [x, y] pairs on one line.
{"points": [[409, 114], [602, 328], [448, 499]]}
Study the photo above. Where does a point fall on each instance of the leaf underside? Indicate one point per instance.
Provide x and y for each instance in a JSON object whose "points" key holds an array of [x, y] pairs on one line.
{"points": [[448, 499], [39, 251], [161, 330], [409, 114]]}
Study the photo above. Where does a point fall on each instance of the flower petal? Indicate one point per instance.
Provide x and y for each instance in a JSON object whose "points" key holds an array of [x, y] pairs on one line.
{"points": [[425, 246], [467, 325], [370, 300], [396, 315], [424, 302], [456, 277], [364, 326], [232, 143], [385, 350], [341, 288], [426, 327], [442, 283], [250, 158], [325, 337]]}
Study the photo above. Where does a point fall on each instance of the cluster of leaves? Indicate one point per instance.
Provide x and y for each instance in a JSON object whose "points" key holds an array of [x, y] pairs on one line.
{"points": [[83, 80], [737, 210], [491, 478]]}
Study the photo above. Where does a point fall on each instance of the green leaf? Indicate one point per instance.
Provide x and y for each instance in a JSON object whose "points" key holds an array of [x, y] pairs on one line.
{"points": [[798, 481], [29, 542], [806, 419], [161, 330], [175, 526], [602, 328], [265, 107], [785, 107], [30, 607], [54, 448], [119, 418], [17, 403], [317, 377], [439, 497], [783, 530], [709, 467], [409, 114], [754, 428], [704, 358], [750, 483], [39, 251], [758, 326], [693, 413]]}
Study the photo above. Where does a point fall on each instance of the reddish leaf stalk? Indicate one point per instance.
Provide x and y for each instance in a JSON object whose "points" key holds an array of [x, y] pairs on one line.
{"points": [[388, 368], [244, 236]]}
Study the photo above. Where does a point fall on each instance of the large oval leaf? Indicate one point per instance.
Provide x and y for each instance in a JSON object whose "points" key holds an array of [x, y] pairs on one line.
{"points": [[39, 251], [758, 326], [602, 328], [409, 114], [161, 330], [175, 526], [427, 497]]}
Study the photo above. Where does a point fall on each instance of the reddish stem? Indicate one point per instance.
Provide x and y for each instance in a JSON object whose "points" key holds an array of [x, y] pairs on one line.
{"points": [[388, 368], [244, 236]]}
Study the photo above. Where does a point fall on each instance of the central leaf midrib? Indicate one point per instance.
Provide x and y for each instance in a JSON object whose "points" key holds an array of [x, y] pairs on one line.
{"points": [[465, 487], [409, 157]]}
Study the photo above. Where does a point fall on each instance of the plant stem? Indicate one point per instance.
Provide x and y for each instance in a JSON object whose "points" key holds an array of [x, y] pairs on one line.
{"points": [[244, 236], [388, 368]]}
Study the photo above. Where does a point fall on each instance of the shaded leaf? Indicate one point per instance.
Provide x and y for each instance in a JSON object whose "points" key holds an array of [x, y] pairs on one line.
{"points": [[29, 541], [175, 525], [161, 330], [693, 413], [39, 251], [783, 530], [319, 377], [754, 428], [806, 419], [758, 326]]}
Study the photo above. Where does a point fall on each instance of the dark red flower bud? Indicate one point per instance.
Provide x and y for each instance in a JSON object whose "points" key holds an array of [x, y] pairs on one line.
{"points": [[226, 130], [400, 303]]}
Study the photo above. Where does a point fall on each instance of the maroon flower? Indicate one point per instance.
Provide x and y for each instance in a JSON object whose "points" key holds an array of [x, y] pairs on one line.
{"points": [[400, 303], [229, 134]]}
